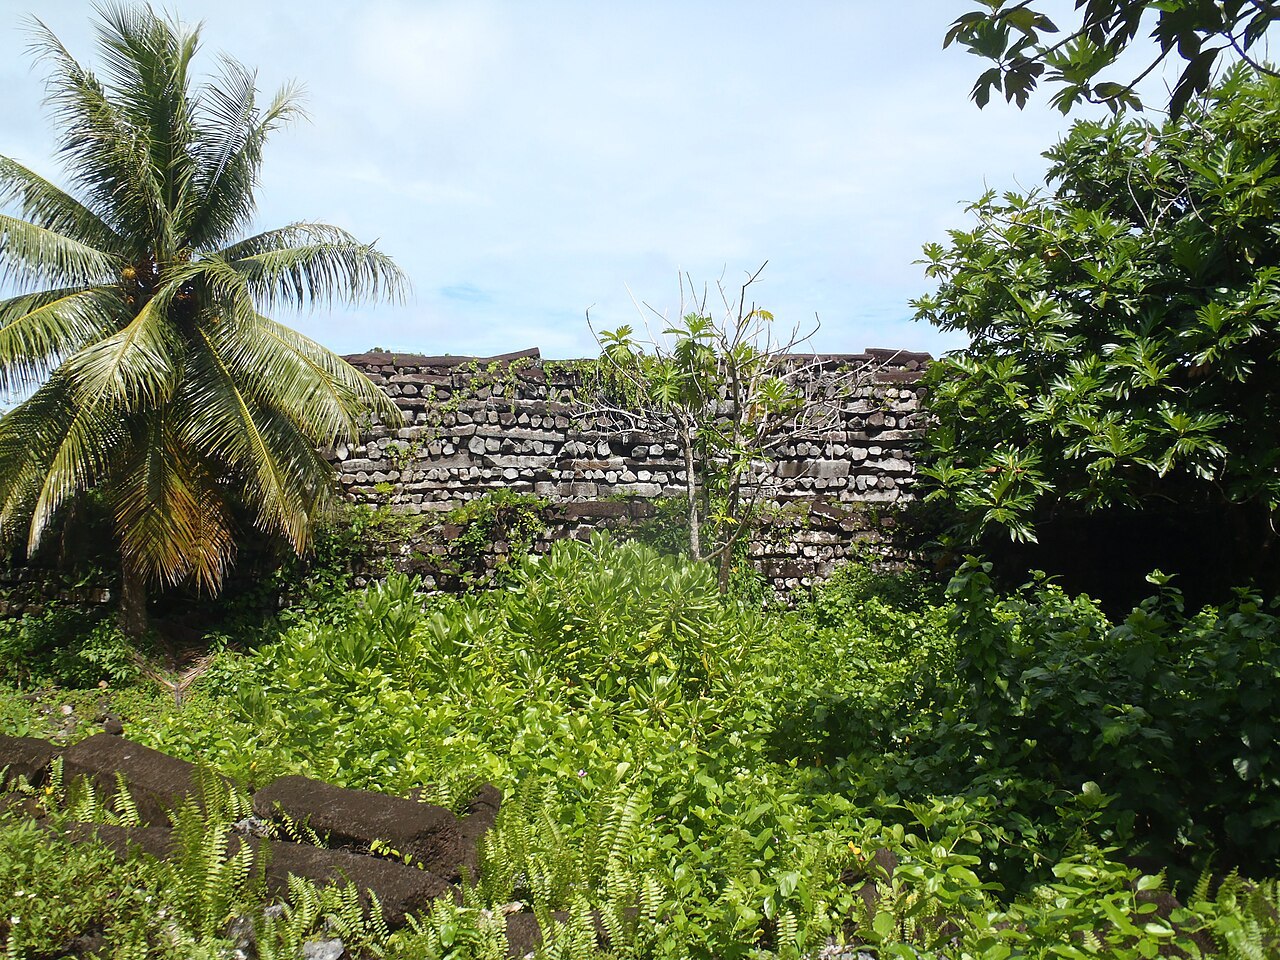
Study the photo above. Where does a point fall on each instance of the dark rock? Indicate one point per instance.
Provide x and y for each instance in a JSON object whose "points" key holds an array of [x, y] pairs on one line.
{"points": [[157, 842], [878, 869], [21, 805], [26, 757], [524, 935], [88, 943], [427, 834], [476, 822], [594, 508], [374, 358], [399, 889], [112, 725], [157, 782], [1165, 904]]}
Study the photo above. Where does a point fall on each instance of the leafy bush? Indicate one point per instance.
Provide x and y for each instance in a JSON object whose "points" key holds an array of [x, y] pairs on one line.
{"points": [[703, 780], [518, 519], [1123, 328], [1177, 717], [68, 646]]}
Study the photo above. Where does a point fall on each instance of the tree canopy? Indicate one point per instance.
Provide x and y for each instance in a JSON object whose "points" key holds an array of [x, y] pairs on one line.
{"points": [[1026, 46], [137, 328], [1124, 325]]}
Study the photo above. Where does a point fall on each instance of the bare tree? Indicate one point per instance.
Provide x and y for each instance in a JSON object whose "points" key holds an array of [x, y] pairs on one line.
{"points": [[734, 389]]}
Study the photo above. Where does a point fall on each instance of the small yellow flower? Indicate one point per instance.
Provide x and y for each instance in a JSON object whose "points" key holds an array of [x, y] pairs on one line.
{"points": [[855, 849]]}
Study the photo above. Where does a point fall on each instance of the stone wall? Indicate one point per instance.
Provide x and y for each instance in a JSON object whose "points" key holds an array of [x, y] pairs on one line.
{"points": [[520, 423]]}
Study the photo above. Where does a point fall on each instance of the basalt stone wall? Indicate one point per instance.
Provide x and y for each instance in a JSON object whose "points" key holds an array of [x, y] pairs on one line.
{"points": [[517, 422]]}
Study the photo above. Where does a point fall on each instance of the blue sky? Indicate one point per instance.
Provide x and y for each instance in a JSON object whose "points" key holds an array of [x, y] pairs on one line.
{"points": [[525, 162]]}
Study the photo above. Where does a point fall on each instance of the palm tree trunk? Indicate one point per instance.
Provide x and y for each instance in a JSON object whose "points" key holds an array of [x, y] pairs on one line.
{"points": [[133, 617]]}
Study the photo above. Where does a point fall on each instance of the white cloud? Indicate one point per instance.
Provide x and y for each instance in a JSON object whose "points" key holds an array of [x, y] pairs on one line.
{"points": [[546, 156]]}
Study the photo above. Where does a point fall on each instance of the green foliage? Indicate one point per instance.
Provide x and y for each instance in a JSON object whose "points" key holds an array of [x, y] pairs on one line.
{"points": [[516, 519], [134, 321], [700, 779], [734, 393], [53, 891], [1175, 717], [1026, 46], [667, 531], [67, 646], [1124, 327]]}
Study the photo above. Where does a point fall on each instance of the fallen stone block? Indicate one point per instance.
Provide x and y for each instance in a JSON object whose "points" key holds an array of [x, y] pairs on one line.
{"points": [[400, 890], [156, 781], [524, 935], [157, 842], [476, 822], [26, 757], [426, 834], [21, 806]]}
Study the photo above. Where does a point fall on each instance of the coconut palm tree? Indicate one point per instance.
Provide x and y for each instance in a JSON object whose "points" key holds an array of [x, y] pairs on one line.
{"points": [[136, 324]]}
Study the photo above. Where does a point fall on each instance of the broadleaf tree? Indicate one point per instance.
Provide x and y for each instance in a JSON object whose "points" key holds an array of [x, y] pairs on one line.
{"points": [[136, 327], [1081, 56], [1124, 325]]}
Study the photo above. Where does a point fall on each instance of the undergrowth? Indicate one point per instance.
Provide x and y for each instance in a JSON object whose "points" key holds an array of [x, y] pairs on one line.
{"points": [[686, 776]]}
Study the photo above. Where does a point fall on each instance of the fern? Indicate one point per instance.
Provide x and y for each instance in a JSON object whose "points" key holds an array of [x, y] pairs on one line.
{"points": [[331, 911], [85, 805], [1247, 921], [453, 930], [126, 807], [573, 939]]}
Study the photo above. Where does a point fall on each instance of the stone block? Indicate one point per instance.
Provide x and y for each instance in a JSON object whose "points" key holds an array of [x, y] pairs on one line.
{"points": [[363, 819], [26, 757], [400, 889], [156, 782]]}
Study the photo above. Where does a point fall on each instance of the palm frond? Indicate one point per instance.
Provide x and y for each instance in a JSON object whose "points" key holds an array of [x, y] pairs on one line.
{"points": [[300, 233], [320, 273], [172, 517], [66, 447], [135, 367], [225, 113], [32, 256], [156, 377], [232, 135], [285, 479], [328, 400], [38, 330], [27, 433], [148, 62], [46, 205], [109, 159]]}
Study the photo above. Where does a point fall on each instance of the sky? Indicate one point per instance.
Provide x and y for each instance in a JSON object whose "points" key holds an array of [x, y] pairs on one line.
{"points": [[526, 163]]}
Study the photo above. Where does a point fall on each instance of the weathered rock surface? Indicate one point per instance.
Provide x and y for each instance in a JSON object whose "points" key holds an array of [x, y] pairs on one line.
{"points": [[524, 935], [157, 842], [478, 819], [477, 425], [156, 781], [399, 889], [429, 835], [26, 757]]}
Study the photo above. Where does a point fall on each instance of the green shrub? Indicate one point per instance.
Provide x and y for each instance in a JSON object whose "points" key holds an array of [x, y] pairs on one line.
{"points": [[1167, 723], [67, 646], [705, 780]]}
